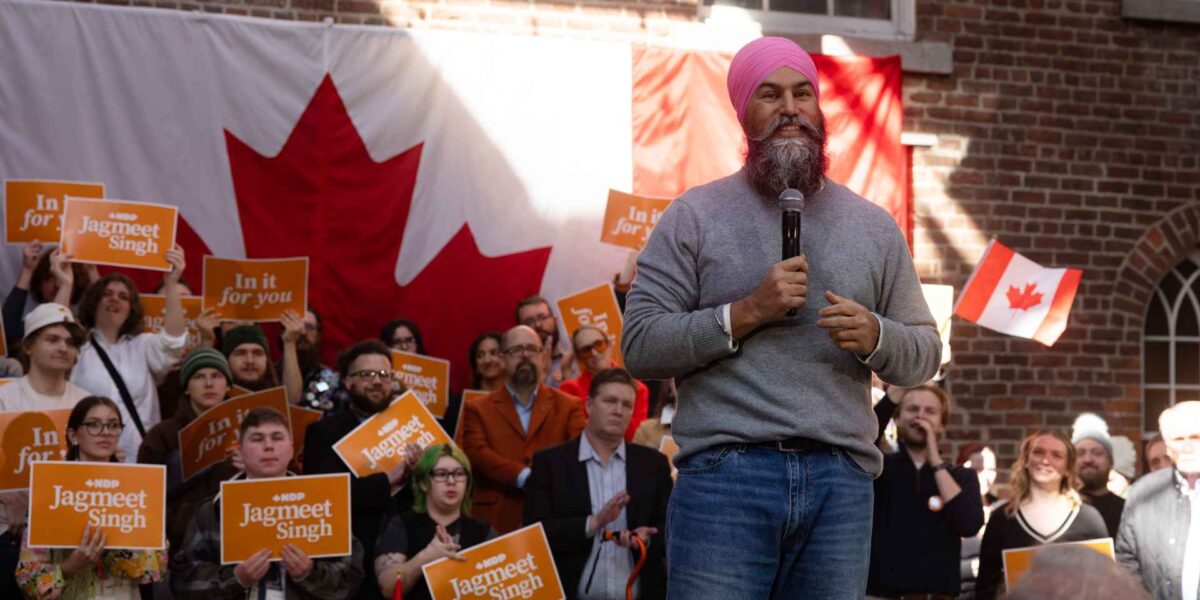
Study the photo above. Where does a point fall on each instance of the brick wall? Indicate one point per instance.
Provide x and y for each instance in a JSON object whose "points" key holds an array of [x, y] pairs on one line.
{"points": [[1065, 130], [1071, 135]]}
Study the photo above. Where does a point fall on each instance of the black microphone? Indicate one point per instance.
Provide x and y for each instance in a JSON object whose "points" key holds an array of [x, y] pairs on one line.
{"points": [[792, 203]]}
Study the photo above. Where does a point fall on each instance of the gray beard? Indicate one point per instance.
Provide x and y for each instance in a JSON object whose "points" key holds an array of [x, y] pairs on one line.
{"points": [[798, 163]]}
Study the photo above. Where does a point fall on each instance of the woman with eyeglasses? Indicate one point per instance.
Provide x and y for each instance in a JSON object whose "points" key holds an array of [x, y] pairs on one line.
{"points": [[1045, 508], [89, 571], [437, 528], [206, 380], [594, 350], [122, 361], [402, 335]]}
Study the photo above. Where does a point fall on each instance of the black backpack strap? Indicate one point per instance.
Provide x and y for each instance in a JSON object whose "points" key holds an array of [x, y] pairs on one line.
{"points": [[126, 398]]}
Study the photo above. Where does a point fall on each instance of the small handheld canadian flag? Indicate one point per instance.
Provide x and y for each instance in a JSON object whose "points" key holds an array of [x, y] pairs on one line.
{"points": [[1012, 294]]}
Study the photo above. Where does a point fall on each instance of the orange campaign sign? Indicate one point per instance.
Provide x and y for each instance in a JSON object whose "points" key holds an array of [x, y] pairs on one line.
{"points": [[425, 376], [33, 208], [629, 219], [127, 501], [377, 444], [26, 437], [119, 233], [514, 565], [301, 418], [211, 436], [596, 307], [466, 396], [1018, 560], [308, 511], [155, 308], [255, 289]]}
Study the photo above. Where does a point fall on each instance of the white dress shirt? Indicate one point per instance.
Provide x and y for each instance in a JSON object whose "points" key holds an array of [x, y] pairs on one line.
{"points": [[608, 565]]}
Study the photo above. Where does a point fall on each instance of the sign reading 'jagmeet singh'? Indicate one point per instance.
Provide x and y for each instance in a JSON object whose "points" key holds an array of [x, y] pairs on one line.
{"points": [[377, 445], [514, 565], [127, 502], [311, 512]]}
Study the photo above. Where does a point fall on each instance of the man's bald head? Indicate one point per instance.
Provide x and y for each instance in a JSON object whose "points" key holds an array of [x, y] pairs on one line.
{"points": [[524, 359], [521, 335]]}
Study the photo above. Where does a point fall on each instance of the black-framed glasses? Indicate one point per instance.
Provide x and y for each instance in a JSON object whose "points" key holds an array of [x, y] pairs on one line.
{"points": [[444, 475], [100, 428], [534, 320], [404, 341], [368, 374], [595, 348], [526, 350]]}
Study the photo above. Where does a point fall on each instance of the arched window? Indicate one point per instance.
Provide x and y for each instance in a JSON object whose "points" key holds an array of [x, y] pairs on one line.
{"points": [[1171, 341]]}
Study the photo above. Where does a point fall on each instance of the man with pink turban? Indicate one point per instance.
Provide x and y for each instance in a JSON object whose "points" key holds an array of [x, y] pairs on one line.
{"points": [[773, 418]]}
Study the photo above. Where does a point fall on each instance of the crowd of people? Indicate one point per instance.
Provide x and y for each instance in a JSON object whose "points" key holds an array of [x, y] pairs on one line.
{"points": [[784, 484], [563, 438]]}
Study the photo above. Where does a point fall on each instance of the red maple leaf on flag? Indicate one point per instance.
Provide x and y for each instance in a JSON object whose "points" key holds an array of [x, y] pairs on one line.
{"points": [[1023, 300], [324, 197]]}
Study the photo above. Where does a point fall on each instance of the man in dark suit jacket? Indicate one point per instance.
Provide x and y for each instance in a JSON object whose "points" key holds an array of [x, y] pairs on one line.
{"points": [[596, 483], [365, 370]]}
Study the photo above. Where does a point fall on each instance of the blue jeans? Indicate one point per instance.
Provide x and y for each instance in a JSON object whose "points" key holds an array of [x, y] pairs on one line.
{"points": [[750, 522]]}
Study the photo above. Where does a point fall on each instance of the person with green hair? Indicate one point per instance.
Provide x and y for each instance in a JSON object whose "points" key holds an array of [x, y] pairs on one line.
{"points": [[438, 527]]}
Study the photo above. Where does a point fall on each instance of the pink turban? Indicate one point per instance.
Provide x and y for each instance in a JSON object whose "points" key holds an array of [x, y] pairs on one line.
{"points": [[757, 60]]}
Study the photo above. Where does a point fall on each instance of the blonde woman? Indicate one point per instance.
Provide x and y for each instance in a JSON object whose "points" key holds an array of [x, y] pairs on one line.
{"points": [[1045, 508]]}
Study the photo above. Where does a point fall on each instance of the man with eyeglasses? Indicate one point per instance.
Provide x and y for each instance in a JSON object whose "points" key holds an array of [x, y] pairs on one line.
{"points": [[596, 483], [535, 312], [502, 431], [51, 343], [593, 350], [366, 373]]}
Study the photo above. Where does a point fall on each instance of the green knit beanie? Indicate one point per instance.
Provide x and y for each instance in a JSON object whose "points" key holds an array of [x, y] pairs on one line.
{"points": [[202, 358], [244, 334]]}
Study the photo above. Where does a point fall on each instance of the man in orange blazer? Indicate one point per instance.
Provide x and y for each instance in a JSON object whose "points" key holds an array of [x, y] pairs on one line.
{"points": [[503, 430]]}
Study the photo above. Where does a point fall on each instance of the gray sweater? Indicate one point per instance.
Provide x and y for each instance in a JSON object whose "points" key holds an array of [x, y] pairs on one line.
{"points": [[787, 378]]}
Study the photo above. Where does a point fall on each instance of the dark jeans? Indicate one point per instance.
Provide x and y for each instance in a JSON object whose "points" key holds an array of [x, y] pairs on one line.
{"points": [[750, 522]]}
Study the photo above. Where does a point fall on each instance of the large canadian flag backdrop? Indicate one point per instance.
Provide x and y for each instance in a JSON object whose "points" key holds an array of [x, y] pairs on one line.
{"points": [[438, 176]]}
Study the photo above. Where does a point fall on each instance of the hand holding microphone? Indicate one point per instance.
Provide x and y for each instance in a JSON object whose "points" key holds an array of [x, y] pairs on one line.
{"points": [[785, 287], [792, 203]]}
